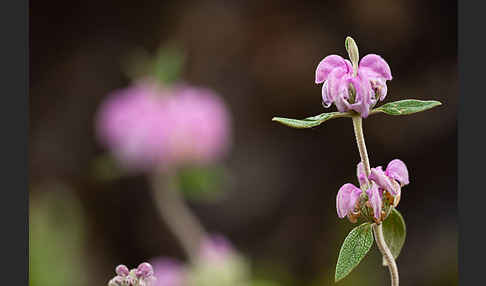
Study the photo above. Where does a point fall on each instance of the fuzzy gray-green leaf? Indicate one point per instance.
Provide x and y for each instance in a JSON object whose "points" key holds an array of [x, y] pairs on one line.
{"points": [[407, 106], [354, 248], [310, 122], [394, 231]]}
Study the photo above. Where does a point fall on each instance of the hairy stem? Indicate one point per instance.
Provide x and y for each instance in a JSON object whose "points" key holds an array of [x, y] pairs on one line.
{"points": [[363, 153], [178, 217], [387, 255], [377, 228]]}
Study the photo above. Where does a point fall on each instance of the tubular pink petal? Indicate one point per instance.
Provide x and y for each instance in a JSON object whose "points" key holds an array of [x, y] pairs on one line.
{"points": [[375, 67], [363, 97], [346, 199], [326, 98], [375, 200], [327, 65], [397, 170], [341, 100], [383, 181], [337, 82], [380, 88], [339, 87], [360, 173], [340, 84]]}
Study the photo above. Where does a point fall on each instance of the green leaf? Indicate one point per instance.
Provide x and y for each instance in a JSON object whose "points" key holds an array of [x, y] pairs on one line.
{"points": [[354, 248], [394, 232], [407, 106], [310, 121], [401, 107]]}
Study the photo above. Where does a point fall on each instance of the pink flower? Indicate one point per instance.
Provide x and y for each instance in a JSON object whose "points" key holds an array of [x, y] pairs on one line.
{"points": [[147, 126], [391, 180], [351, 88]]}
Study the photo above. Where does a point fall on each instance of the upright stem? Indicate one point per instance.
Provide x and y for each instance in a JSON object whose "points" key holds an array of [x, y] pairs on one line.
{"points": [[377, 228], [360, 141], [387, 255], [179, 218]]}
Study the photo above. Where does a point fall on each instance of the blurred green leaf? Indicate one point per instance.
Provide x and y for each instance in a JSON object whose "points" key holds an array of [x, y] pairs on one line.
{"points": [[56, 237], [165, 66], [354, 248], [310, 122], [394, 231], [168, 64], [263, 283], [106, 168], [202, 183], [405, 107]]}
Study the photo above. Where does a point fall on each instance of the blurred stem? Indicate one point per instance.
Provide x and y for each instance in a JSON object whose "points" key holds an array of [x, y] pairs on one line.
{"points": [[377, 228], [176, 214]]}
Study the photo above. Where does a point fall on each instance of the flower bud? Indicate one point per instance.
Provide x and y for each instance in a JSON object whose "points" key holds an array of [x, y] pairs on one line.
{"points": [[122, 270], [353, 53], [144, 270]]}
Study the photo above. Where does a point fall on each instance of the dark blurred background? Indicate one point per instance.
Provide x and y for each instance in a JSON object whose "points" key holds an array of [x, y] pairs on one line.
{"points": [[261, 57]]}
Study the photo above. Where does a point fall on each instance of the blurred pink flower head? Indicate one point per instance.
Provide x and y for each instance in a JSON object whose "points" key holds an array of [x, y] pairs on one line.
{"points": [[168, 272], [355, 88], [147, 126], [216, 263], [199, 125], [216, 249]]}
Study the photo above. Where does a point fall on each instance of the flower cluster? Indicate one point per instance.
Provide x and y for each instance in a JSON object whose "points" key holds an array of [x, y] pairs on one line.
{"points": [[147, 126], [143, 275], [351, 86], [380, 190]]}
